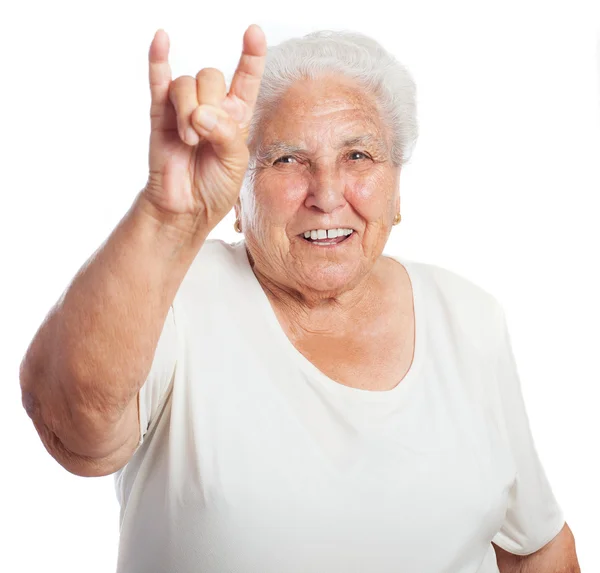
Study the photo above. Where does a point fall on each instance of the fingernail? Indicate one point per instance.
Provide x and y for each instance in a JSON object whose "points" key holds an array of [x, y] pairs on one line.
{"points": [[191, 136], [206, 119]]}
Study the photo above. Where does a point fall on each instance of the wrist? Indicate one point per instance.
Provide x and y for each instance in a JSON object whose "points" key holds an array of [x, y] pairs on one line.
{"points": [[183, 231]]}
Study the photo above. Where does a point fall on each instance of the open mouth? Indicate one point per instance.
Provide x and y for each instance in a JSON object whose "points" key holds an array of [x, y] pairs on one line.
{"points": [[326, 238]]}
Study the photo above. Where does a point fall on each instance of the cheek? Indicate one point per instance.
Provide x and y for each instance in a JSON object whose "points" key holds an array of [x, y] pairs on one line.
{"points": [[370, 196], [280, 195]]}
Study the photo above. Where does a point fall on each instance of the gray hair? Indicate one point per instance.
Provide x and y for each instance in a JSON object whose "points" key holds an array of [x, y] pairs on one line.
{"points": [[353, 55]]}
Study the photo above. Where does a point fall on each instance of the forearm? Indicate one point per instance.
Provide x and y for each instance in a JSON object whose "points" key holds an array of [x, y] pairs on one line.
{"points": [[95, 348], [557, 556], [540, 563]]}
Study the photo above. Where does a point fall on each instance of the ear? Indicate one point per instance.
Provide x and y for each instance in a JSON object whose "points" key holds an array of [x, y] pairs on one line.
{"points": [[238, 209]]}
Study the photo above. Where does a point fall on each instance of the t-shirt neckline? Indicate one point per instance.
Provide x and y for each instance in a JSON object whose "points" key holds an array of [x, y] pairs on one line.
{"points": [[398, 392]]}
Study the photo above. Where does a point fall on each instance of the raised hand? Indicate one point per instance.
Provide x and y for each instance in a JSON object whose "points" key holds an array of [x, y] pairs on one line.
{"points": [[198, 153]]}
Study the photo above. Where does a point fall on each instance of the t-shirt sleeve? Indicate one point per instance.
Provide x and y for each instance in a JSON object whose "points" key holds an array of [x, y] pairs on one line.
{"points": [[534, 516], [156, 387]]}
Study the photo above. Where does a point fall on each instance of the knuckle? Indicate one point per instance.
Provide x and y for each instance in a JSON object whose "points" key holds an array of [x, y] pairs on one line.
{"points": [[179, 87], [182, 94], [211, 74], [181, 82]]}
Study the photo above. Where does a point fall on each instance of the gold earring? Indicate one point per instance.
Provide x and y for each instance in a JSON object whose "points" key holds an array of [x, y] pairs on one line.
{"points": [[397, 219], [237, 226]]}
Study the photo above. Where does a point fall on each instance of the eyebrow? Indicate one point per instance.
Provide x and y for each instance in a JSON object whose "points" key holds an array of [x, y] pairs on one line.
{"points": [[280, 148]]}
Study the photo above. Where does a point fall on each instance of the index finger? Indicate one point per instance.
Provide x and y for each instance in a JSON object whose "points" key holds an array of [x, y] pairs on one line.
{"points": [[159, 72], [246, 80]]}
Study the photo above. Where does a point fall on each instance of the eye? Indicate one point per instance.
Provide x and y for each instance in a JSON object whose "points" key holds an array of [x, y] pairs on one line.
{"points": [[362, 155], [283, 159]]}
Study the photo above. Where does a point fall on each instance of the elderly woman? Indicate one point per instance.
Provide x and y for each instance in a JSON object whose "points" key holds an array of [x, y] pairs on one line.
{"points": [[296, 401]]}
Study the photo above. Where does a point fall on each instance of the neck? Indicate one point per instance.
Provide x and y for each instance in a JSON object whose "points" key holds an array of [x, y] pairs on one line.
{"points": [[307, 310]]}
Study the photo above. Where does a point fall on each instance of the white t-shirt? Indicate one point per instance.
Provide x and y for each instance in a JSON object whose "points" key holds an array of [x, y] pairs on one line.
{"points": [[254, 461]]}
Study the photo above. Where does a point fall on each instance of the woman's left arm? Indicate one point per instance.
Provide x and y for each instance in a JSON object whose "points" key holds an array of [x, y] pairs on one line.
{"points": [[557, 556]]}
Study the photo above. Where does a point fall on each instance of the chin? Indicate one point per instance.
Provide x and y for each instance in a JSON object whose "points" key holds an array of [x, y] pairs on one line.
{"points": [[329, 277]]}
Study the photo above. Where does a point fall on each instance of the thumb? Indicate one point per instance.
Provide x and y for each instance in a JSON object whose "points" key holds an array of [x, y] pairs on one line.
{"points": [[221, 131]]}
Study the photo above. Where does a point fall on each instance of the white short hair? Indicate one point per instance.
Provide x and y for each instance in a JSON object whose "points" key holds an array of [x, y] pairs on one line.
{"points": [[355, 56]]}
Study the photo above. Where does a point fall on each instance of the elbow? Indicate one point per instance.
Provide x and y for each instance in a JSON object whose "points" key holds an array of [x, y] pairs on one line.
{"points": [[54, 419], [29, 398], [78, 464], [82, 466], [73, 435]]}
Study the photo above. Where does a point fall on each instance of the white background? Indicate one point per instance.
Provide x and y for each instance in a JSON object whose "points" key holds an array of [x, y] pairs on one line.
{"points": [[502, 188]]}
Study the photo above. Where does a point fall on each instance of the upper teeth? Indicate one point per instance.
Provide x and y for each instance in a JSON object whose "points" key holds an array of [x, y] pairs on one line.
{"points": [[326, 234]]}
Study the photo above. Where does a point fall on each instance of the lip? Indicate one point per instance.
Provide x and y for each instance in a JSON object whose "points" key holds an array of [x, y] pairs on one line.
{"points": [[346, 241], [341, 227], [328, 227]]}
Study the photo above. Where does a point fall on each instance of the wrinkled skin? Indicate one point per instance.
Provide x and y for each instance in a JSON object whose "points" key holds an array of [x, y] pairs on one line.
{"points": [[321, 184]]}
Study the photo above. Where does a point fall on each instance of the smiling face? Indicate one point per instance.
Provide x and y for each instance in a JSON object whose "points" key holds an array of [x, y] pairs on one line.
{"points": [[323, 164]]}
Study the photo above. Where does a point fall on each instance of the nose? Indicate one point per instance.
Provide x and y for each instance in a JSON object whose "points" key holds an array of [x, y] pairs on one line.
{"points": [[326, 190]]}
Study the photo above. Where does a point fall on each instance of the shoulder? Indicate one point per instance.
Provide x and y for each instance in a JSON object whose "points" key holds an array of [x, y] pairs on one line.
{"points": [[216, 252], [215, 258], [215, 270], [456, 288], [460, 301]]}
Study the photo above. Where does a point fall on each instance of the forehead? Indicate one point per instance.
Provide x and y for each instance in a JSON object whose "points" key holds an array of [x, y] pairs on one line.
{"points": [[330, 106]]}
